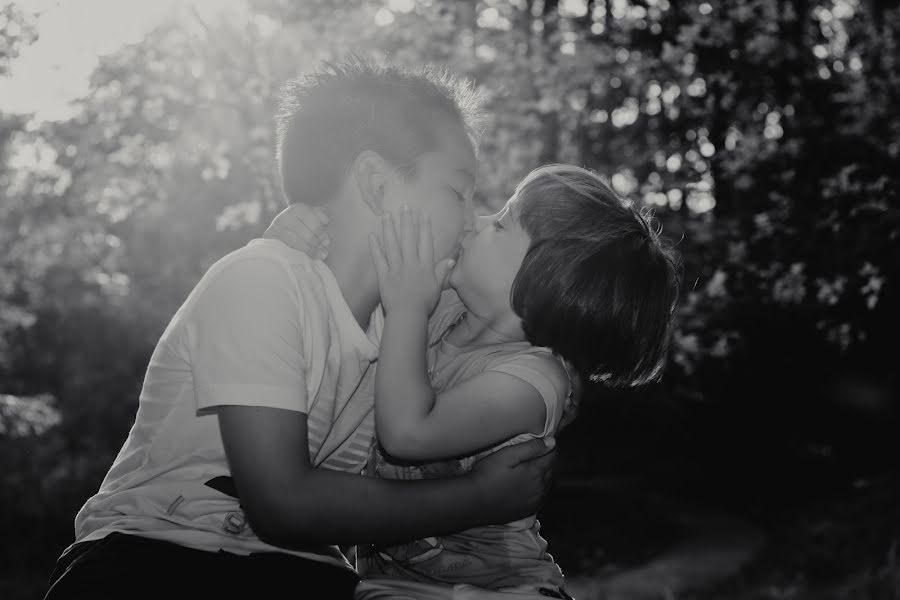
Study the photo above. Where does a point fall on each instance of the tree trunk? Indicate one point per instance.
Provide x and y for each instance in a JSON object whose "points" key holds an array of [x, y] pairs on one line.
{"points": [[549, 120]]}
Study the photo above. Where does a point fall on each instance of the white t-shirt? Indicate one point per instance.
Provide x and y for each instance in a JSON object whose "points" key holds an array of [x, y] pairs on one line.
{"points": [[265, 326]]}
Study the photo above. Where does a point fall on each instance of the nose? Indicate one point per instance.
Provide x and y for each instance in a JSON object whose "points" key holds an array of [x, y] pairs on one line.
{"points": [[480, 222], [473, 227]]}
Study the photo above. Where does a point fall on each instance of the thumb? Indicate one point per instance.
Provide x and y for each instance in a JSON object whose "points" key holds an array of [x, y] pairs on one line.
{"points": [[442, 271]]}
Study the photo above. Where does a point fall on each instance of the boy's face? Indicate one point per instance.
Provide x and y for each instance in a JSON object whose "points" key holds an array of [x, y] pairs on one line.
{"points": [[443, 187]]}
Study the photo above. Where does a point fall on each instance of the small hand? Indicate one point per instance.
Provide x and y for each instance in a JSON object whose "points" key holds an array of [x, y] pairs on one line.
{"points": [[302, 227], [515, 479], [404, 263]]}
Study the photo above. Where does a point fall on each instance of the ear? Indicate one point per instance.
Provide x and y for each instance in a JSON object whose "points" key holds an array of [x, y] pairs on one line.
{"points": [[369, 172]]}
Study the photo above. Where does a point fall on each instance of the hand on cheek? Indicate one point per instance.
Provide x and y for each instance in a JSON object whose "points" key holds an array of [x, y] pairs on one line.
{"points": [[403, 255]]}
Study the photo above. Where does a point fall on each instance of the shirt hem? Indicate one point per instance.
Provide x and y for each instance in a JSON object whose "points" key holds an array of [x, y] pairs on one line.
{"points": [[99, 534]]}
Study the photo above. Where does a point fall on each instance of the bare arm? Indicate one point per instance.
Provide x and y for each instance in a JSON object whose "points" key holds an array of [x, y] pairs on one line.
{"points": [[414, 424], [291, 504], [411, 422], [403, 394]]}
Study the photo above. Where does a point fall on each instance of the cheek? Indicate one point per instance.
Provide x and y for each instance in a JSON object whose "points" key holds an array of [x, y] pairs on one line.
{"points": [[506, 263], [447, 227], [446, 241]]}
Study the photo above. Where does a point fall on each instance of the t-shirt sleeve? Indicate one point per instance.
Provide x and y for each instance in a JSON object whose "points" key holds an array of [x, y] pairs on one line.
{"points": [[547, 375], [246, 338]]}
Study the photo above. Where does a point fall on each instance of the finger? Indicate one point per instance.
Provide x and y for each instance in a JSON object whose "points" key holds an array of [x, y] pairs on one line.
{"points": [[389, 242], [312, 233], [414, 234], [544, 462], [321, 214], [298, 221], [306, 241], [303, 214], [442, 271], [548, 470], [298, 242], [408, 235], [426, 241], [290, 238], [322, 229], [313, 220], [378, 258]]}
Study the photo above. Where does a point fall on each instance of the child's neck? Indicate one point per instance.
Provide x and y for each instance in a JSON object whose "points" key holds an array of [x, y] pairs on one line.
{"points": [[351, 264], [478, 330]]}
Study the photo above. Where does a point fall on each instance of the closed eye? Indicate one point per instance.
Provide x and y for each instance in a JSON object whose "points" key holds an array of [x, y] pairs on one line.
{"points": [[460, 197]]}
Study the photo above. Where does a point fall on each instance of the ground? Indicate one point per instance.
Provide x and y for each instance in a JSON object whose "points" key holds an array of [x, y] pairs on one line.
{"points": [[624, 542]]}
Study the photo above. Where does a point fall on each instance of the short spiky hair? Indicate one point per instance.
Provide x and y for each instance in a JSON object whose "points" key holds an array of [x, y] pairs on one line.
{"points": [[325, 119], [597, 284]]}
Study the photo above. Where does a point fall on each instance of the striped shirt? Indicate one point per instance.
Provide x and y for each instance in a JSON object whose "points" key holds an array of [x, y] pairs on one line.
{"points": [[494, 557]]}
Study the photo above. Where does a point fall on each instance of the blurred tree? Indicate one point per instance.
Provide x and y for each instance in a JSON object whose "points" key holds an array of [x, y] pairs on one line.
{"points": [[765, 135], [17, 29]]}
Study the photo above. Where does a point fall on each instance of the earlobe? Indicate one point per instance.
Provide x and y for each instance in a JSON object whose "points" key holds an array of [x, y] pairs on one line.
{"points": [[370, 180], [373, 195]]}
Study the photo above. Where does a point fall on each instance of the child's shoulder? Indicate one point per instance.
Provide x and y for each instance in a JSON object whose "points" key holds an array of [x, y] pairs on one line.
{"points": [[537, 366], [266, 267], [547, 374], [541, 359]]}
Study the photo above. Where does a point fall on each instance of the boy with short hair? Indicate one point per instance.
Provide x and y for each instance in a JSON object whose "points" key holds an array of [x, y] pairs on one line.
{"points": [[242, 470]]}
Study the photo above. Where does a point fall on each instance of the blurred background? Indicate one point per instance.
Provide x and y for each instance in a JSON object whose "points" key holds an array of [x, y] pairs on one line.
{"points": [[136, 148]]}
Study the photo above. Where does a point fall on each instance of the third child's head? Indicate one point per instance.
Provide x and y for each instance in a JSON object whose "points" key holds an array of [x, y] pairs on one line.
{"points": [[586, 273], [374, 137]]}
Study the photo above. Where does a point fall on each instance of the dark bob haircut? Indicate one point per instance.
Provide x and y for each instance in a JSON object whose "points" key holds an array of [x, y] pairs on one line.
{"points": [[597, 285], [326, 119]]}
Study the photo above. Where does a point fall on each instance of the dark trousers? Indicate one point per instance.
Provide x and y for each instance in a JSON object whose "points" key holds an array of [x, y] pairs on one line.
{"points": [[127, 566]]}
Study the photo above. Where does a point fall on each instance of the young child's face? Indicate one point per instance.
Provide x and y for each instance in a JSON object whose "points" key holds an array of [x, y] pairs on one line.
{"points": [[490, 259], [443, 187]]}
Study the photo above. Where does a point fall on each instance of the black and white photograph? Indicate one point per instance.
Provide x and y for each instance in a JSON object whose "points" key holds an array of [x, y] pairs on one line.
{"points": [[449, 300]]}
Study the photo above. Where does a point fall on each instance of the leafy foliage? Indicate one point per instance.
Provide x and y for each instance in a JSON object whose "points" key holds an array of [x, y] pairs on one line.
{"points": [[765, 135]]}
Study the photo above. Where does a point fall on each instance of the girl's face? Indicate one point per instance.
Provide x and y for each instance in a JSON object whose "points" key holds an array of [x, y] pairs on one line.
{"points": [[490, 259]]}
